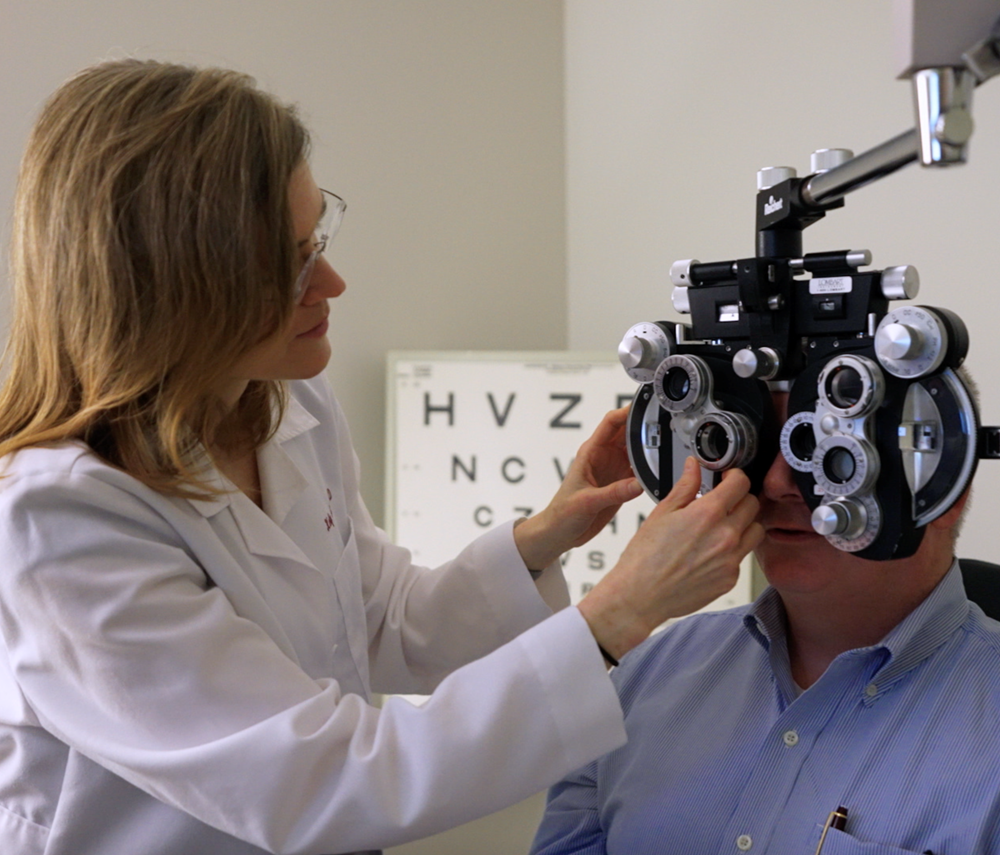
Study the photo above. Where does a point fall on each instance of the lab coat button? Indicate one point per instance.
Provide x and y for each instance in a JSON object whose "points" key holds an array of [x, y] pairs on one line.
{"points": [[744, 842], [791, 738]]}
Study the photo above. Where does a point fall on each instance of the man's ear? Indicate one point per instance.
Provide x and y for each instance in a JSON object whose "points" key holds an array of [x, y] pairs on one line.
{"points": [[951, 516]]}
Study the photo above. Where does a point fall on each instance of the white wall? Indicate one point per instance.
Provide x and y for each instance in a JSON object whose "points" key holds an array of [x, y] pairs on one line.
{"points": [[672, 107]]}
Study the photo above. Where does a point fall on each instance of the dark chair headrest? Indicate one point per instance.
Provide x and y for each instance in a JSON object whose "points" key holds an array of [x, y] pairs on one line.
{"points": [[982, 584]]}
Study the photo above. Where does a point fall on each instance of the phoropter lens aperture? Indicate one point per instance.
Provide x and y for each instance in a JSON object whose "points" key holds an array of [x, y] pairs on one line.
{"points": [[844, 387], [712, 442], [851, 386], [839, 465], [676, 384], [802, 441]]}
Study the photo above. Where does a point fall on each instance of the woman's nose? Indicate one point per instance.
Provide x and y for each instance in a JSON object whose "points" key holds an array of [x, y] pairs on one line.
{"points": [[324, 283]]}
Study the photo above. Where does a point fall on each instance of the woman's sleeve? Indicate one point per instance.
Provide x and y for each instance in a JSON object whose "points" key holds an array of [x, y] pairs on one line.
{"points": [[423, 623], [123, 650]]}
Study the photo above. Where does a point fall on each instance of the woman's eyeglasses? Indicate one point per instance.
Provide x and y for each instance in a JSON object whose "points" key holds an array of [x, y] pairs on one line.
{"points": [[325, 232]]}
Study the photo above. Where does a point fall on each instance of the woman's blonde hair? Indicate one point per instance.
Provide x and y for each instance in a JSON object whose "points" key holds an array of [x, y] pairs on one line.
{"points": [[152, 247]]}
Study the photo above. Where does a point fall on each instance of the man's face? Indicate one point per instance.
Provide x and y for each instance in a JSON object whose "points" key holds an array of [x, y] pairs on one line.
{"points": [[792, 555]]}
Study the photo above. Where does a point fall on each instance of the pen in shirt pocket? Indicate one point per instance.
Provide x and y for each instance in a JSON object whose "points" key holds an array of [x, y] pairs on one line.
{"points": [[837, 819]]}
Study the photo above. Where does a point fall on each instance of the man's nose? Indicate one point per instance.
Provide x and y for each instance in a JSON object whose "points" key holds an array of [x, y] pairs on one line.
{"points": [[779, 483]]}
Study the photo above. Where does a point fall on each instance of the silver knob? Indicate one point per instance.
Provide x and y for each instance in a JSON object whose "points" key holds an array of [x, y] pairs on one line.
{"points": [[829, 520], [943, 98], [680, 271], [763, 363], [898, 341], [840, 518], [900, 283], [859, 258], [681, 300], [954, 127], [643, 347], [769, 176], [633, 352], [923, 338], [826, 159]]}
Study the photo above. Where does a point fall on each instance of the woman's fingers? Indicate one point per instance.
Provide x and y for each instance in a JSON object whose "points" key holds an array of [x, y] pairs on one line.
{"points": [[610, 431], [752, 537], [684, 491], [731, 490], [686, 553], [616, 494]]}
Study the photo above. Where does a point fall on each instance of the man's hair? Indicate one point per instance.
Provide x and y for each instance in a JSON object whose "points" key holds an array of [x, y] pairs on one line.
{"points": [[970, 383], [152, 247]]}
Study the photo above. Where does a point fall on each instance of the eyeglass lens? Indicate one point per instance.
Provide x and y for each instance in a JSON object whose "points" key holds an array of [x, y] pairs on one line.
{"points": [[325, 232]]}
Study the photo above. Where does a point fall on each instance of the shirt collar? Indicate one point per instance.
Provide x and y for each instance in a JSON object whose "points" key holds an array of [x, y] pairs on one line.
{"points": [[908, 644], [926, 628], [765, 621]]}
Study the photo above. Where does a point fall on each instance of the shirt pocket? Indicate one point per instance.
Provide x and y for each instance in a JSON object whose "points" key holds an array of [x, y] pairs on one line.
{"points": [[839, 843]]}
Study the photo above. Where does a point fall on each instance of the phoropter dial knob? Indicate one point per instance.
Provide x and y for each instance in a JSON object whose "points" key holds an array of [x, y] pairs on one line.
{"points": [[680, 275], [899, 341], [914, 341], [900, 283], [840, 518], [764, 363], [643, 348]]}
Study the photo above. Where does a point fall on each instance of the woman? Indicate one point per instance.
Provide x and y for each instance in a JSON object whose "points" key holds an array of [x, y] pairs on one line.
{"points": [[194, 602]]}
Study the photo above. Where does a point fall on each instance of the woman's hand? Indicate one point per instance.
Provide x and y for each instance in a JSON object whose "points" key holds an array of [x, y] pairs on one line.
{"points": [[686, 554], [598, 482]]}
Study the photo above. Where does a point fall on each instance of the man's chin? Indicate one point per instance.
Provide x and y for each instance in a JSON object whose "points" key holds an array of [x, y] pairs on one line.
{"points": [[785, 554]]}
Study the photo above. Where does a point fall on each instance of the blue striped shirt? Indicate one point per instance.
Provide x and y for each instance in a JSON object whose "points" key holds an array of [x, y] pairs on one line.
{"points": [[725, 756]]}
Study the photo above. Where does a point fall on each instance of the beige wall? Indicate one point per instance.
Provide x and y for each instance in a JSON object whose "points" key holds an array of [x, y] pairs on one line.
{"points": [[439, 121], [673, 107], [441, 124]]}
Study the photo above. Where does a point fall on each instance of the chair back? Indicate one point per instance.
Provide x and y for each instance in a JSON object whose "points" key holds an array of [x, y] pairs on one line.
{"points": [[982, 584]]}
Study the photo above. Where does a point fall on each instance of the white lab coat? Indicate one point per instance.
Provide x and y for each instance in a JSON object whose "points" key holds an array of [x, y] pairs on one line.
{"points": [[195, 677]]}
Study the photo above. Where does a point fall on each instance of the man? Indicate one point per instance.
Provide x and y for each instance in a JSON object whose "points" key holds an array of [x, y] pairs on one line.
{"points": [[869, 685]]}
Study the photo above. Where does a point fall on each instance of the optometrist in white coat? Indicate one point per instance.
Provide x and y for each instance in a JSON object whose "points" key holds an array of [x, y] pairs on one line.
{"points": [[194, 674]]}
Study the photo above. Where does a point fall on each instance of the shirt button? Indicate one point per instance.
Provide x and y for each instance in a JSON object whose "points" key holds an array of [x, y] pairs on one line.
{"points": [[871, 690], [791, 738], [744, 842]]}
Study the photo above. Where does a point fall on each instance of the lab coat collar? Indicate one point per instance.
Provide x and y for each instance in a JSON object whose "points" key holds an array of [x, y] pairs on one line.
{"points": [[295, 421], [281, 479], [214, 479]]}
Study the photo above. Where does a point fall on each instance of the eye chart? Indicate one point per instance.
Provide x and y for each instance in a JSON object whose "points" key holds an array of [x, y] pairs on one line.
{"points": [[479, 438]]}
